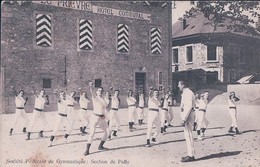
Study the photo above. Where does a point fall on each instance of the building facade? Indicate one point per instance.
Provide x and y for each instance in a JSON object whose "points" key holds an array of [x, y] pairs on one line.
{"points": [[65, 44], [207, 56]]}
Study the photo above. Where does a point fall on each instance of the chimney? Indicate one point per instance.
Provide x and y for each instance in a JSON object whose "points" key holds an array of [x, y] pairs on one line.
{"points": [[184, 24]]}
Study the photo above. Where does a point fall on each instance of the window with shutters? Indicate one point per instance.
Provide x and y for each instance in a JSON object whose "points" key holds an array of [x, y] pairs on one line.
{"points": [[156, 41], [85, 36], [122, 38], [43, 30]]}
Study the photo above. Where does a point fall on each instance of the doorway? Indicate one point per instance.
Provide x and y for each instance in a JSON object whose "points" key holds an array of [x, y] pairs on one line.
{"points": [[140, 82]]}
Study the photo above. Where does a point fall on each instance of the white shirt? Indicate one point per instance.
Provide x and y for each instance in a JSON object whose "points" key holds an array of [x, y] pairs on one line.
{"points": [[130, 101], [165, 103], [231, 103], [39, 102], [203, 104], [115, 102], [141, 102], [153, 103], [99, 105], [70, 100], [19, 101], [62, 106], [197, 104], [187, 103], [83, 102]]}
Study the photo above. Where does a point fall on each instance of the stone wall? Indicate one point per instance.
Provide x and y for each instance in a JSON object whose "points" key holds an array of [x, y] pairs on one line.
{"points": [[25, 64]]}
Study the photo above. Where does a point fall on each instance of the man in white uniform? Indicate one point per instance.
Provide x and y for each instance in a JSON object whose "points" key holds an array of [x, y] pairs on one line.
{"points": [[38, 112], [153, 116], [20, 102], [164, 113], [197, 98], [84, 116], [97, 118], [202, 121], [70, 100], [131, 102], [140, 110], [187, 116], [62, 115], [115, 102], [170, 109], [107, 99], [233, 112]]}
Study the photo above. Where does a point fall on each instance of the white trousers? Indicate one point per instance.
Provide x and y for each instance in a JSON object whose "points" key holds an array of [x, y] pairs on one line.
{"points": [[114, 118], [201, 119], [153, 119], [164, 116], [83, 117], [131, 114], [38, 116], [188, 134], [20, 113], [94, 121], [170, 113], [233, 115], [71, 118], [140, 113], [59, 123]]}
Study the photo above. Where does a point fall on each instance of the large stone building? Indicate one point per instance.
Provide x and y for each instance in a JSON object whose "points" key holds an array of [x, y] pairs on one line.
{"points": [[207, 56], [65, 44]]}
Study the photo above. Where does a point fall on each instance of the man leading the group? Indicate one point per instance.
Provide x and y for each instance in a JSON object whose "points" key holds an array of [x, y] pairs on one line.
{"points": [[187, 116], [98, 117]]}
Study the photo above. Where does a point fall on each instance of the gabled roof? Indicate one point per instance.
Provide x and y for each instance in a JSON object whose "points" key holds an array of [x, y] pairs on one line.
{"points": [[200, 25]]}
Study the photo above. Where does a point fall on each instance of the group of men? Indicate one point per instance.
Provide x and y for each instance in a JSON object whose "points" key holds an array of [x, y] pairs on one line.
{"points": [[105, 114]]}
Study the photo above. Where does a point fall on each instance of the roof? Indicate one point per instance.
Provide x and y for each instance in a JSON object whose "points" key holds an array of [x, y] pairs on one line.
{"points": [[200, 25]]}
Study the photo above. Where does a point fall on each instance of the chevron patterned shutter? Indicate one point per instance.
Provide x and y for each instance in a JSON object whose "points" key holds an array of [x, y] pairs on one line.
{"points": [[122, 38], [156, 41], [85, 34], [43, 30]]}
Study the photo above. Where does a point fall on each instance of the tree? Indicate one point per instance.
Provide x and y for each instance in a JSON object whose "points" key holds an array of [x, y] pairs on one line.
{"points": [[235, 15]]}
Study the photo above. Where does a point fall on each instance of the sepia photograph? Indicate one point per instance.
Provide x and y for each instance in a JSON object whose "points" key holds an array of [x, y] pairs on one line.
{"points": [[108, 83]]}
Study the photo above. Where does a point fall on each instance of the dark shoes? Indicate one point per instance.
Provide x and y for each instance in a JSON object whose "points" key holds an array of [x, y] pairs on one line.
{"points": [[101, 147], [153, 139], [187, 159], [148, 144], [11, 131], [237, 131], [41, 133], [231, 130], [28, 135], [87, 150], [24, 130], [114, 134]]}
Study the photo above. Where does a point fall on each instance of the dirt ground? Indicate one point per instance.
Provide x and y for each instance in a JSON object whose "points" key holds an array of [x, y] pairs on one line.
{"points": [[128, 149]]}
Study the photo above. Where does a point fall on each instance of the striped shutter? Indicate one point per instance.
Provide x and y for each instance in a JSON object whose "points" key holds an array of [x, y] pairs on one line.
{"points": [[43, 30], [156, 41], [85, 34], [122, 38]]}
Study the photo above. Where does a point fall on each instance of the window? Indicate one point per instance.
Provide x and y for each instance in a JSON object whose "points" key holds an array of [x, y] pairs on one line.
{"points": [[160, 78], [175, 56], [46, 83], [85, 34], [189, 54], [212, 53], [43, 30], [122, 38], [98, 83], [156, 42]]}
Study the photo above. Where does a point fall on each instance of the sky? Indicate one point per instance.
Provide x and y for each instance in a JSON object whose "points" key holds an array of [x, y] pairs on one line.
{"points": [[179, 9], [181, 6]]}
